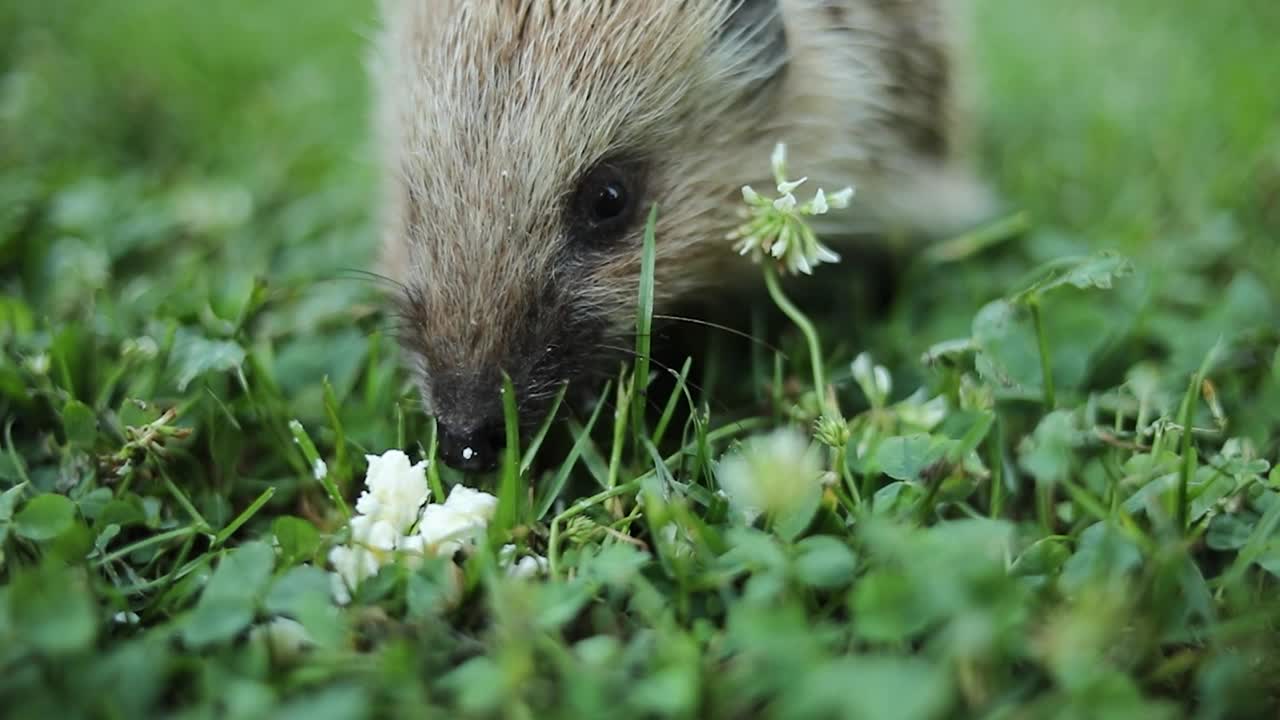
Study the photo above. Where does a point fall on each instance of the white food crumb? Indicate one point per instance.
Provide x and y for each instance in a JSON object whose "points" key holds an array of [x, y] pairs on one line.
{"points": [[468, 453]]}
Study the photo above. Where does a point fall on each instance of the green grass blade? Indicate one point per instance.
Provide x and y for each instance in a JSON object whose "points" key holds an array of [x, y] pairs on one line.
{"points": [[535, 442], [509, 492], [667, 412], [553, 490], [314, 463], [644, 326], [244, 517]]}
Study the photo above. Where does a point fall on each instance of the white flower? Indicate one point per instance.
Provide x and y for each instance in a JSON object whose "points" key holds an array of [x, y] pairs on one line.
{"points": [[529, 566], [38, 364], [840, 200], [396, 490], [286, 638], [770, 474], [338, 587], [467, 501], [523, 569], [776, 228], [875, 380], [387, 512], [445, 530], [374, 534], [924, 415], [352, 566]]}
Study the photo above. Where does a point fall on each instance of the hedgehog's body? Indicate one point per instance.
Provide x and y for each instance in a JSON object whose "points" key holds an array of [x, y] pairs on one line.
{"points": [[526, 140]]}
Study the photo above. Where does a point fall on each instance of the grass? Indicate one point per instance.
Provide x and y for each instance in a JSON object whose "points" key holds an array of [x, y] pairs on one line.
{"points": [[1089, 529]]}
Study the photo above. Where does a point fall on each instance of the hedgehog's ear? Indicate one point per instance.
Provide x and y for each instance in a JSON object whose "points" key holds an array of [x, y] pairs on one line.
{"points": [[754, 36]]}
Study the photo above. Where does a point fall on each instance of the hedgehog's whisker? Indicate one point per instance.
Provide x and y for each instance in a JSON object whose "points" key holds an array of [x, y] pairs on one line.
{"points": [[370, 276], [724, 328], [671, 371]]}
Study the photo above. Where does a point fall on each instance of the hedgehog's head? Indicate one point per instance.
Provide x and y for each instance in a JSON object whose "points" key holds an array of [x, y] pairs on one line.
{"points": [[526, 142]]}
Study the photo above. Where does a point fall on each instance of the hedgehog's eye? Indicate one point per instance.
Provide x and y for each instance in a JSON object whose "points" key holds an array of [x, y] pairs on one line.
{"points": [[610, 201], [604, 202]]}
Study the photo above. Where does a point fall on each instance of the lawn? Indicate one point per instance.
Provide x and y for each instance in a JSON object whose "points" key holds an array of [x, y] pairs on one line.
{"points": [[1057, 498]]}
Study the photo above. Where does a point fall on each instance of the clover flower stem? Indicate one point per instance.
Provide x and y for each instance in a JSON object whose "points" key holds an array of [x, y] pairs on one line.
{"points": [[1046, 366], [842, 462], [801, 322], [996, 461]]}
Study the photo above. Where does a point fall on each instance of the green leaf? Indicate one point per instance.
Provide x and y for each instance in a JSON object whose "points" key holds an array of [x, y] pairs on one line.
{"points": [[94, 503], [52, 610], [1103, 552], [824, 562], [905, 457], [798, 513], [871, 687], [298, 538], [1228, 532], [1098, 271], [1007, 351], [886, 607], [9, 500], [136, 413], [346, 702], [1047, 454], [229, 600], [124, 512], [243, 573], [73, 544], [45, 517], [896, 498], [1269, 557], [80, 424], [194, 355], [1045, 556], [429, 589], [299, 586]]}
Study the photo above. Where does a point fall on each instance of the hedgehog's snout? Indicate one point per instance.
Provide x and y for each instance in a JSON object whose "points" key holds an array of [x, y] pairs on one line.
{"points": [[470, 428], [472, 447]]}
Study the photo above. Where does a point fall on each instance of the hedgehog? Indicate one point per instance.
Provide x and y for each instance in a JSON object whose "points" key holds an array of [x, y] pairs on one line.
{"points": [[525, 141]]}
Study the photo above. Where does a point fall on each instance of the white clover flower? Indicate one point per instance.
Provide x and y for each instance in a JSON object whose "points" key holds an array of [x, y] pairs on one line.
{"points": [[443, 531], [38, 364], [920, 413], [526, 567], [387, 513], [287, 638], [374, 534], [771, 474], [875, 380], [373, 544], [529, 566], [338, 586], [776, 227], [352, 566], [467, 501], [396, 490]]}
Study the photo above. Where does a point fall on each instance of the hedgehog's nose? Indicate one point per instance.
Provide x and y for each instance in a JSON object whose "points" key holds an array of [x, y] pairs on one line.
{"points": [[472, 447]]}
